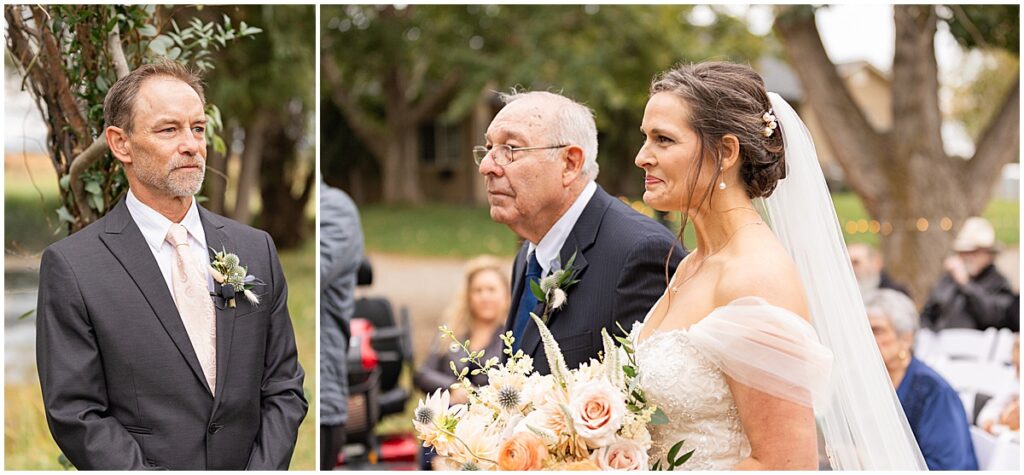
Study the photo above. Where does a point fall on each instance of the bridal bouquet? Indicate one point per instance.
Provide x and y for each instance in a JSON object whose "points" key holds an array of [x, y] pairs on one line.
{"points": [[592, 418]]}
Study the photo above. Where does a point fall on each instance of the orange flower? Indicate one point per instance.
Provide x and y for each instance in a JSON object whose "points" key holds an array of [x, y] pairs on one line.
{"points": [[522, 451]]}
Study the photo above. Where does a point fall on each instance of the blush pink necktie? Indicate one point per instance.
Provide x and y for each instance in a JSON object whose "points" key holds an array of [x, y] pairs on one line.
{"points": [[192, 297]]}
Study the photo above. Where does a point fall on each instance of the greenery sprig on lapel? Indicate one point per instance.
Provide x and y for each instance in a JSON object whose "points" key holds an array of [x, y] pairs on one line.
{"points": [[552, 290]]}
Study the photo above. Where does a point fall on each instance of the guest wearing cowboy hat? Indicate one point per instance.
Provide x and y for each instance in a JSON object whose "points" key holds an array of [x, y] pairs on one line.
{"points": [[972, 293]]}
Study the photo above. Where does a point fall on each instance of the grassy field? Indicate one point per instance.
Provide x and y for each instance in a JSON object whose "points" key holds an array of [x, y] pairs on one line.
{"points": [[462, 231], [30, 225]]}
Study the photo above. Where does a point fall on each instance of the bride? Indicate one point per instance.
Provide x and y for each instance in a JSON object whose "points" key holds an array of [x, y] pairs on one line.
{"points": [[761, 337]]}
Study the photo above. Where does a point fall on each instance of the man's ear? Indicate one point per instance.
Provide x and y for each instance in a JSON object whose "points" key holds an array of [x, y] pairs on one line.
{"points": [[117, 140], [574, 161]]}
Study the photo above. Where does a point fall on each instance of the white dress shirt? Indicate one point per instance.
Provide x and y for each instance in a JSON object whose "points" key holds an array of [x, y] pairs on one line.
{"points": [[154, 227], [551, 244]]}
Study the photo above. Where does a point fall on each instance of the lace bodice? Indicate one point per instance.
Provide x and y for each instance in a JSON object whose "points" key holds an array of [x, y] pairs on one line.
{"points": [[692, 391], [683, 371]]}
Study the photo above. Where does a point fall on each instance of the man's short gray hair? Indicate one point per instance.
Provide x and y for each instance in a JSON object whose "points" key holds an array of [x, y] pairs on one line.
{"points": [[573, 124], [895, 306]]}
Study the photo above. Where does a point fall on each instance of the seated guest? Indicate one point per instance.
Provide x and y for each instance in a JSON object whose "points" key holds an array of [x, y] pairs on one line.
{"points": [[933, 408], [972, 293], [1002, 412], [478, 314], [868, 266]]}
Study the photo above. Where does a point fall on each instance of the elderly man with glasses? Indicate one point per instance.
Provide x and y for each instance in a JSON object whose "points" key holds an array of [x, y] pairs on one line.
{"points": [[539, 163]]}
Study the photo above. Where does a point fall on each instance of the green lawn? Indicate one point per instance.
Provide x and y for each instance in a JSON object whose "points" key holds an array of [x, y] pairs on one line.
{"points": [[465, 231]]}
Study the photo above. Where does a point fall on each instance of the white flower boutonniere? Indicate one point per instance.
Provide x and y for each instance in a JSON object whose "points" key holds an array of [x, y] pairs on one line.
{"points": [[233, 278], [551, 290]]}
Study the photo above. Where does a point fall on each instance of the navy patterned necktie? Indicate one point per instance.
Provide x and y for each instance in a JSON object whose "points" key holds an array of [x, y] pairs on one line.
{"points": [[527, 301]]}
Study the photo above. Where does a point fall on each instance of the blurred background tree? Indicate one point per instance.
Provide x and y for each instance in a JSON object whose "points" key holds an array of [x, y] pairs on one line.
{"points": [[388, 71], [264, 88], [903, 175]]}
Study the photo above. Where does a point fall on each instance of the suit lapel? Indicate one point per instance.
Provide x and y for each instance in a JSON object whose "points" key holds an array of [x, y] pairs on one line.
{"points": [[217, 239], [579, 241], [124, 240]]}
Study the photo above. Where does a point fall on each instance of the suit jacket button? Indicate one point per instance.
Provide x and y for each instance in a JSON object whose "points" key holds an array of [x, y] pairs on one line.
{"points": [[214, 428]]}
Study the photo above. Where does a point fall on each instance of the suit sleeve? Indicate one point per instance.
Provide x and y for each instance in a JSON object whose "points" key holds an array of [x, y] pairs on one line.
{"points": [[341, 237], [642, 280], [72, 379], [282, 403]]}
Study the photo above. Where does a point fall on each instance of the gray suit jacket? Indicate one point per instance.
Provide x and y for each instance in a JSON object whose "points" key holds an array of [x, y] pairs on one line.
{"points": [[341, 252], [621, 261], [121, 384]]}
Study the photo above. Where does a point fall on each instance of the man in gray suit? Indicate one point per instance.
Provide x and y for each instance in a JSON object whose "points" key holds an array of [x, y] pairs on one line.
{"points": [[540, 163], [146, 360]]}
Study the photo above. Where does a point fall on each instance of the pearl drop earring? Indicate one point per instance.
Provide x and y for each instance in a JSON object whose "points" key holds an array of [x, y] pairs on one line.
{"points": [[721, 186]]}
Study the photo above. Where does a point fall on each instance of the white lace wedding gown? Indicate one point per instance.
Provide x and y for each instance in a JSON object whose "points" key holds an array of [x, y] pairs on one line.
{"points": [[683, 372]]}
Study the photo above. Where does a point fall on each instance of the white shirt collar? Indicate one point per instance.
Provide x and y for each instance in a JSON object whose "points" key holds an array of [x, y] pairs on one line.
{"points": [[551, 244], [154, 226]]}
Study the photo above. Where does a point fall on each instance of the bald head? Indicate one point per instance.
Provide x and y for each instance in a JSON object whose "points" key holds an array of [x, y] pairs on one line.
{"points": [[560, 119]]}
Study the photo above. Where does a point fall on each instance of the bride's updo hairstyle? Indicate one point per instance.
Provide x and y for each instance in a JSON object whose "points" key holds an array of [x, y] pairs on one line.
{"points": [[727, 98]]}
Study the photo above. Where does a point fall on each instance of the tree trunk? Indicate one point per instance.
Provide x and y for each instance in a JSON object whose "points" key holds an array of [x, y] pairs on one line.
{"points": [[283, 212], [249, 176], [401, 167], [216, 184], [903, 176]]}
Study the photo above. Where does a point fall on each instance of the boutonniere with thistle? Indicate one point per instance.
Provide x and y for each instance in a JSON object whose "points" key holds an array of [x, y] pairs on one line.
{"points": [[233, 278], [551, 290]]}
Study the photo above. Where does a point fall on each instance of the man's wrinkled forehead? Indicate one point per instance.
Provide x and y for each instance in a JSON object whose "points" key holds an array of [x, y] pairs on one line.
{"points": [[523, 119]]}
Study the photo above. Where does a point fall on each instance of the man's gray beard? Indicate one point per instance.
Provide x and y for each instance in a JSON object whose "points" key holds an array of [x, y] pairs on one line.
{"points": [[174, 187]]}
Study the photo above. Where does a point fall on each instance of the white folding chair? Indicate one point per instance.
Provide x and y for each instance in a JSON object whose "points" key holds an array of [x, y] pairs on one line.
{"points": [[984, 445], [966, 343], [925, 345], [1006, 453], [977, 376], [1002, 351]]}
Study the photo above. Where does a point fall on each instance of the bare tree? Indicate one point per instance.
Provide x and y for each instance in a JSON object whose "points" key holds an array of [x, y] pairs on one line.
{"points": [[904, 174]]}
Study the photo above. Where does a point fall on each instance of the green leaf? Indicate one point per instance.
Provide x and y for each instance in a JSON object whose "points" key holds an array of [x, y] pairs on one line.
{"points": [[674, 451], [65, 182], [27, 314], [629, 370], [659, 418], [537, 292], [93, 188], [160, 44], [64, 215], [657, 466], [684, 458], [147, 31], [173, 53]]}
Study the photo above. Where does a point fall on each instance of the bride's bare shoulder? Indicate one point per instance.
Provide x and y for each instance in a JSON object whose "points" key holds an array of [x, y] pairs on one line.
{"points": [[762, 268]]}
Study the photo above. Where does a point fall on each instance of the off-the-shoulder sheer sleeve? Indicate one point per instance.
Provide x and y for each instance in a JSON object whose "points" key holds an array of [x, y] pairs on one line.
{"points": [[767, 348]]}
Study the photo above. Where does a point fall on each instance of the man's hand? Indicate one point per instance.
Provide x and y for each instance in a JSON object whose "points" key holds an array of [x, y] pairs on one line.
{"points": [[957, 270]]}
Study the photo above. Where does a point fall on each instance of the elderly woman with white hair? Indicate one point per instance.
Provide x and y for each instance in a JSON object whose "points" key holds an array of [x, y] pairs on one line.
{"points": [[932, 406]]}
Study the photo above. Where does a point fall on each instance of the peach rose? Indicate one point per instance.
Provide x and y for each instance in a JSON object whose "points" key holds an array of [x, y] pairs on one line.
{"points": [[623, 454], [597, 412], [522, 451]]}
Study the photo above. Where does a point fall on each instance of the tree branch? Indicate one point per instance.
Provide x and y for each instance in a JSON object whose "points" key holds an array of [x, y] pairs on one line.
{"points": [[117, 52], [81, 163], [854, 141], [54, 72], [998, 145], [361, 123], [438, 99]]}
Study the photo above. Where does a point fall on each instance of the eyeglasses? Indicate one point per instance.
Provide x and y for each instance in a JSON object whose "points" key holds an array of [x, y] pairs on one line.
{"points": [[503, 153]]}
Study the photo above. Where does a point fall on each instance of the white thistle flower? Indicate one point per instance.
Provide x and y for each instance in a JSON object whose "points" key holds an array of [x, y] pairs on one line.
{"points": [[549, 282], [558, 298]]}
